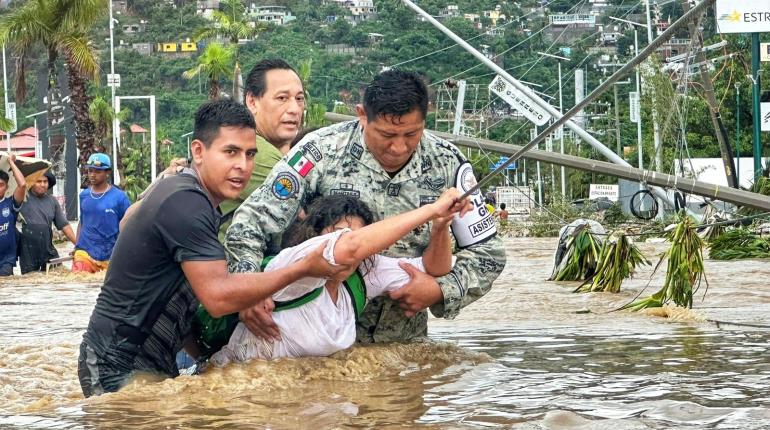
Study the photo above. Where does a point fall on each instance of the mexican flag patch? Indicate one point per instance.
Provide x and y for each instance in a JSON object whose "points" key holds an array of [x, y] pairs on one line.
{"points": [[301, 164]]}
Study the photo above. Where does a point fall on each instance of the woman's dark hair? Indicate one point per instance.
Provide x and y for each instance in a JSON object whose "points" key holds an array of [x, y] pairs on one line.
{"points": [[326, 211]]}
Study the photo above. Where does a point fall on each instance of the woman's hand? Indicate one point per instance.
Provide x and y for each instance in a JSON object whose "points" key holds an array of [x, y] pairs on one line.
{"points": [[449, 204]]}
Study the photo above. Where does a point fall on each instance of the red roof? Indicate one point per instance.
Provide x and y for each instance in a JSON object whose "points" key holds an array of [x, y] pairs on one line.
{"points": [[136, 128], [20, 141]]}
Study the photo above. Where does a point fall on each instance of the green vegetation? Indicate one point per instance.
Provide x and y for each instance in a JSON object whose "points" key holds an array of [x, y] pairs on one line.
{"points": [[684, 271], [737, 244], [618, 260], [581, 256]]}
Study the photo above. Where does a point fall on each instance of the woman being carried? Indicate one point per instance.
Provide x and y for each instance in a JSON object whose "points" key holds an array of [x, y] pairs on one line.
{"points": [[315, 316]]}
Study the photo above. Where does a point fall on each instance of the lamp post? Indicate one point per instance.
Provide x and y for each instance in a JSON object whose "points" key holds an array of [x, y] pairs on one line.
{"points": [[111, 82], [561, 135], [638, 91], [5, 95], [38, 147], [187, 135]]}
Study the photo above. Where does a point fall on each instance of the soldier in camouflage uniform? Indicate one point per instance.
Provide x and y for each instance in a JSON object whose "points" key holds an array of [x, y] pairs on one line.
{"points": [[397, 168]]}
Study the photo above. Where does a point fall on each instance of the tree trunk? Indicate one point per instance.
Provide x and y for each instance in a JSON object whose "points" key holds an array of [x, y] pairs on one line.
{"points": [[55, 117], [85, 129], [213, 89]]}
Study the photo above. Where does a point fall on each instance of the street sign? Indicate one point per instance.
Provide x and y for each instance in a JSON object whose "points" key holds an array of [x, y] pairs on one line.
{"points": [[633, 108], [500, 162], [764, 116], [764, 52], [742, 16], [10, 113], [113, 80], [523, 103], [603, 190]]}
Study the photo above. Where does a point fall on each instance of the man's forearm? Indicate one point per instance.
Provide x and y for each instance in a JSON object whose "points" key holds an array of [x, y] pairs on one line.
{"points": [[67, 230], [472, 276]]}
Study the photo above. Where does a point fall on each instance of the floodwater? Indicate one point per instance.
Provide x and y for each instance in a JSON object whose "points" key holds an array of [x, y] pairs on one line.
{"points": [[529, 355]]}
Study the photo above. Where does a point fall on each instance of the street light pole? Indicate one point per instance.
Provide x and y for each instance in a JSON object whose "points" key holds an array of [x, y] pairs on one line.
{"points": [[38, 148], [115, 131], [5, 96], [638, 92], [561, 135]]}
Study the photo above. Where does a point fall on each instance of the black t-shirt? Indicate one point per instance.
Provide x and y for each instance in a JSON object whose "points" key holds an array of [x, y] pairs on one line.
{"points": [[145, 306]]}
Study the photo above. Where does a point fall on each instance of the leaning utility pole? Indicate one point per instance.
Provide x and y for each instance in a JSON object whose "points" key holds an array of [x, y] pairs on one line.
{"points": [[565, 119], [708, 91]]}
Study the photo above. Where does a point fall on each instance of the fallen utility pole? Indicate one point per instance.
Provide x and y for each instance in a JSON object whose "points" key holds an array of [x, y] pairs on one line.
{"points": [[689, 186], [565, 119], [708, 91]]}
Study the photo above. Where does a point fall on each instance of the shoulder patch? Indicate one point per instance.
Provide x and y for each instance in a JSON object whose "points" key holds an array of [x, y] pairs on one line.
{"points": [[285, 185], [311, 149]]}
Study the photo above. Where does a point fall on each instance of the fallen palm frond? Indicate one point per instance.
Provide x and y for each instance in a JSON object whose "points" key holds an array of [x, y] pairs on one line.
{"points": [[739, 243], [618, 260], [685, 268], [581, 256]]}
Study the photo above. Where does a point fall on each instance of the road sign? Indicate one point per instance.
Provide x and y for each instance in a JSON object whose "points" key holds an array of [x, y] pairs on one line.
{"points": [[500, 162], [603, 190], [113, 80], [764, 52], [633, 108], [764, 116], [742, 16], [523, 103], [10, 113]]}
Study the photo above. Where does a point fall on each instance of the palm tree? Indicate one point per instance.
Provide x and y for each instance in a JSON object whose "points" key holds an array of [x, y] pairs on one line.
{"points": [[5, 123], [61, 27], [230, 23], [215, 62], [103, 116]]}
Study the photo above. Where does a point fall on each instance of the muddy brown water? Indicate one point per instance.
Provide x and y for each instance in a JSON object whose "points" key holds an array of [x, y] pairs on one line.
{"points": [[526, 356]]}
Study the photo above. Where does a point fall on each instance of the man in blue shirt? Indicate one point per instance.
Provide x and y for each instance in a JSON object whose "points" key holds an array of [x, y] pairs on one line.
{"points": [[9, 210], [102, 206]]}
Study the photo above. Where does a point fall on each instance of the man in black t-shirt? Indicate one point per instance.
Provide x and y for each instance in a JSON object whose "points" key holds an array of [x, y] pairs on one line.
{"points": [[167, 260]]}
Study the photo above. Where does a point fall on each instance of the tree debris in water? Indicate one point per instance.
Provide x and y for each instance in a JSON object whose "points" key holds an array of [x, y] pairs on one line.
{"points": [[618, 260]]}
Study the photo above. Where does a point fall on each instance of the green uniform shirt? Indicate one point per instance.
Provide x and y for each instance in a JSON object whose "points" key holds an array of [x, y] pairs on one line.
{"points": [[335, 160], [266, 157]]}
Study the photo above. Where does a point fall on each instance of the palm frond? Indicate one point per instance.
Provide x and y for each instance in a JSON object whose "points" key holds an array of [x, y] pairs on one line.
{"points": [[81, 55]]}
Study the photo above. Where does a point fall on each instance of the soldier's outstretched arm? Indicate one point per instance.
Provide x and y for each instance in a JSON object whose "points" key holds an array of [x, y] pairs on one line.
{"points": [[271, 208]]}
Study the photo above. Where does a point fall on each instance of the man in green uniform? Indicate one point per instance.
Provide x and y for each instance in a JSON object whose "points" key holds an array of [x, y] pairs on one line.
{"points": [[276, 98], [387, 160]]}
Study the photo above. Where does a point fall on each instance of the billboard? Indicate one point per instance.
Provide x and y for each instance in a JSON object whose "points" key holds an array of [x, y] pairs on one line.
{"points": [[743, 16]]}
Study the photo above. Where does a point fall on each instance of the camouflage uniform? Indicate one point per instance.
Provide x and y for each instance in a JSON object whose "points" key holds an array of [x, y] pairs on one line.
{"points": [[335, 160]]}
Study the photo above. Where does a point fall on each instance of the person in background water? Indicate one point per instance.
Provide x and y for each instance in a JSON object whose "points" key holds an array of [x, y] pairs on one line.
{"points": [[9, 210], [38, 213], [102, 206], [502, 214]]}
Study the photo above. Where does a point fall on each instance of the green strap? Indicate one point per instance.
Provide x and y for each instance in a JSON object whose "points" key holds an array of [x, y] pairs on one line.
{"points": [[357, 290], [212, 333]]}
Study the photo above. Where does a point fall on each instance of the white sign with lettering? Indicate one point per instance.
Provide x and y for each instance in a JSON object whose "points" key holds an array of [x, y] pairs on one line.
{"points": [[633, 109], [603, 190], [523, 103], [764, 116], [742, 16]]}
